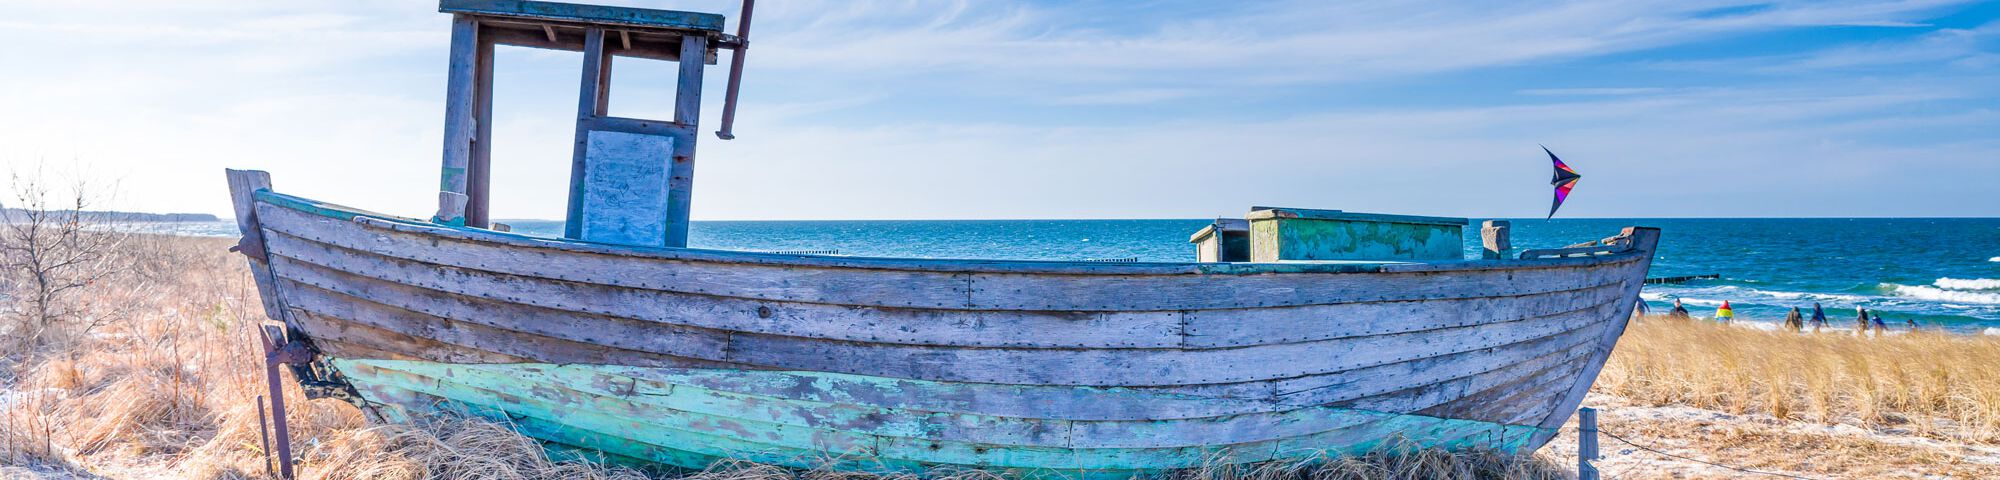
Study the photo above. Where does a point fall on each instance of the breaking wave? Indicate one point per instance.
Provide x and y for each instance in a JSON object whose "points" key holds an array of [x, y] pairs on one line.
{"points": [[1949, 283], [1943, 295], [1713, 296], [1994, 259]]}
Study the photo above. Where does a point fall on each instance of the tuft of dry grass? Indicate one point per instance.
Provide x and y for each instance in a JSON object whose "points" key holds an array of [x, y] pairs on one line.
{"points": [[166, 388], [1936, 384]]}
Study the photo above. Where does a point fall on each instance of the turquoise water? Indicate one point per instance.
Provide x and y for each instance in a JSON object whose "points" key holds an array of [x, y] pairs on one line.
{"points": [[1944, 273]]}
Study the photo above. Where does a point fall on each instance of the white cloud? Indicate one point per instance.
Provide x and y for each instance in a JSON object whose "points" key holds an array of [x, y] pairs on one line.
{"points": [[341, 101]]}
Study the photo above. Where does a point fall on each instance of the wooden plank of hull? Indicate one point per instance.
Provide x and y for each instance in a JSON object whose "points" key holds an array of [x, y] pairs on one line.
{"points": [[555, 349], [893, 325], [785, 444], [873, 325], [1080, 404], [1443, 399], [1351, 389], [925, 289], [333, 308], [1117, 329], [1382, 379], [757, 413], [897, 325], [1140, 367], [614, 332], [1200, 292], [1255, 326], [912, 326], [886, 413], [334, 335], [426, 229], [1024, 366]]}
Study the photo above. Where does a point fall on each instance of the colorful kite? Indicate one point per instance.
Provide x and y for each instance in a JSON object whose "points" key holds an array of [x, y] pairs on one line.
{"points": [[1564, 181]]}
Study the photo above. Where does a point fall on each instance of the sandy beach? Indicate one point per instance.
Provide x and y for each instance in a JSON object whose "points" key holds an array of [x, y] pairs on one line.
{"points": [[165, 388]]}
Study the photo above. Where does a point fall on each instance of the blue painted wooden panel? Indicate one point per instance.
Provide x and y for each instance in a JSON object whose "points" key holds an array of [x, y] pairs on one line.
{"points": [[624, 188]]}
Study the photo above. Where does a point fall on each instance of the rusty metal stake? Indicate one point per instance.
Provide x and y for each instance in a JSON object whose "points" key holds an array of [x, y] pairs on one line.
{"points": [[277, 354], [264, 435]]}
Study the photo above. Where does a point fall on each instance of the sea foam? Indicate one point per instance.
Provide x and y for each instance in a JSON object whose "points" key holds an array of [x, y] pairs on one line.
{"points": [[1942, 295], [1949, 283], [1994, 259]]}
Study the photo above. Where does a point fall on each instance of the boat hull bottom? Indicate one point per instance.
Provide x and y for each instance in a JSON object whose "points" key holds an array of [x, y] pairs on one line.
{"points": [[695, 417]]}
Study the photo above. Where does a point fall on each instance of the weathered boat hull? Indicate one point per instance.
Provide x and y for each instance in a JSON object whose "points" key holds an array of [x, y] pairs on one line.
{"points": [[683, 356]]}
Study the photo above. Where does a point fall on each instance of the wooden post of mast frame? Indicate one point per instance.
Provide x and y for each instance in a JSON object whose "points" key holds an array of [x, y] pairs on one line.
{"points": [[631, 179]]}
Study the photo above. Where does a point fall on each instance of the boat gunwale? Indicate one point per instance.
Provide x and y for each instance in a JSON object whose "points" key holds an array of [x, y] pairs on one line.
{"points": [[952, 265]]}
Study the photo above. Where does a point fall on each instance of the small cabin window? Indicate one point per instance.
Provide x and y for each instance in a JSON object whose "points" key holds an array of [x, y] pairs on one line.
{"points": [[642, 87], [534, 133]]}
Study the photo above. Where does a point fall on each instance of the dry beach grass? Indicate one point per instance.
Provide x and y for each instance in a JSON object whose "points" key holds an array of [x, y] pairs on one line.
{"points": [[164, 388]]}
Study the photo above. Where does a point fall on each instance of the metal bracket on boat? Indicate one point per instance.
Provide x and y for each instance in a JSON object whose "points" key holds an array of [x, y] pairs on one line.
{"points": [[254, 250], [741, 43]]}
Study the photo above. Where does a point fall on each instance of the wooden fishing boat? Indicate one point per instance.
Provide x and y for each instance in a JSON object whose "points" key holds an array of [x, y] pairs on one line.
{"points": [[619, 341]]}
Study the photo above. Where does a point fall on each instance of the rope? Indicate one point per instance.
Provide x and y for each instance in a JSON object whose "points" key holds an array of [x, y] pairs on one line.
{"points": [[1601, 431]]}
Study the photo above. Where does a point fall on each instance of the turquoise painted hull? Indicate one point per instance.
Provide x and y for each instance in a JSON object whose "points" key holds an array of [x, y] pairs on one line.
{"points": [[668, 416]]}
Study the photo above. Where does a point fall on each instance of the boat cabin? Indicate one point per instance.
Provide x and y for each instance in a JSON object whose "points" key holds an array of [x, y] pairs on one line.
{"points": [[1277, 234], [630, 178], [1226, 240]]}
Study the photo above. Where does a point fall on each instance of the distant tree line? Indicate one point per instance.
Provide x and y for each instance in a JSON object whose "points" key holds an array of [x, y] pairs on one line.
{"points": [[117, 217]]}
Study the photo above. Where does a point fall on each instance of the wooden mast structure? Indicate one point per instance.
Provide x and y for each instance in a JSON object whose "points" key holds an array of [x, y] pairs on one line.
{"points": [[631, 179]]}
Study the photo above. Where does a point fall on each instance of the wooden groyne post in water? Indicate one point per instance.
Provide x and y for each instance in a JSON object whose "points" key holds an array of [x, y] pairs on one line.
{"points": [[1680, 279]]}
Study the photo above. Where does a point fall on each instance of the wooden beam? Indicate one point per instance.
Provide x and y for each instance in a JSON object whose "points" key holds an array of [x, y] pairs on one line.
{"points": [[651, 48], [243, 187], [687, 111], [626, 38], [479, 172], [459, 113], [550, 31], [589, 106]]}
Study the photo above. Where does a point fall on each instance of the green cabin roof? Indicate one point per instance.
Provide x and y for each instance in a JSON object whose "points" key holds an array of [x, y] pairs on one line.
{"points": [[586, 14], [1260, 213]]}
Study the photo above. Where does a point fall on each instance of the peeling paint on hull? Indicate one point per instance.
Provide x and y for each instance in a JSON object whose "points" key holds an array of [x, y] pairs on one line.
{"points": [[630, 412]]}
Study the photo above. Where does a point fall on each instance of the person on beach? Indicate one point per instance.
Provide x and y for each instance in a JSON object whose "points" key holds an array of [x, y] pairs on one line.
{"points": [[1679, 312], [1880, 328], [1724, 314], [1861, 328], [1912, 322], [1818, 317], [1795, 321]]}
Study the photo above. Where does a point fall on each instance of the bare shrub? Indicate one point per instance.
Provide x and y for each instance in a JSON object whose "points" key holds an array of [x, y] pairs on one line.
{"points": [[51, 247]]}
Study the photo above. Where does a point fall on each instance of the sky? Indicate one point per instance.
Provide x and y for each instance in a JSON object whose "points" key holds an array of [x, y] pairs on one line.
{"points": [[936, 109]]}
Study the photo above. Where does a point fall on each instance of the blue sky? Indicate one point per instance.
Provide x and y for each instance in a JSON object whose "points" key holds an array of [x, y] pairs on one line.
{"points": [[1133, 109]]}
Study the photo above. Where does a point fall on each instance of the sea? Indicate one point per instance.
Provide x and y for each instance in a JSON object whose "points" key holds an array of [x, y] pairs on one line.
{"points": [[1943, 273]]}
